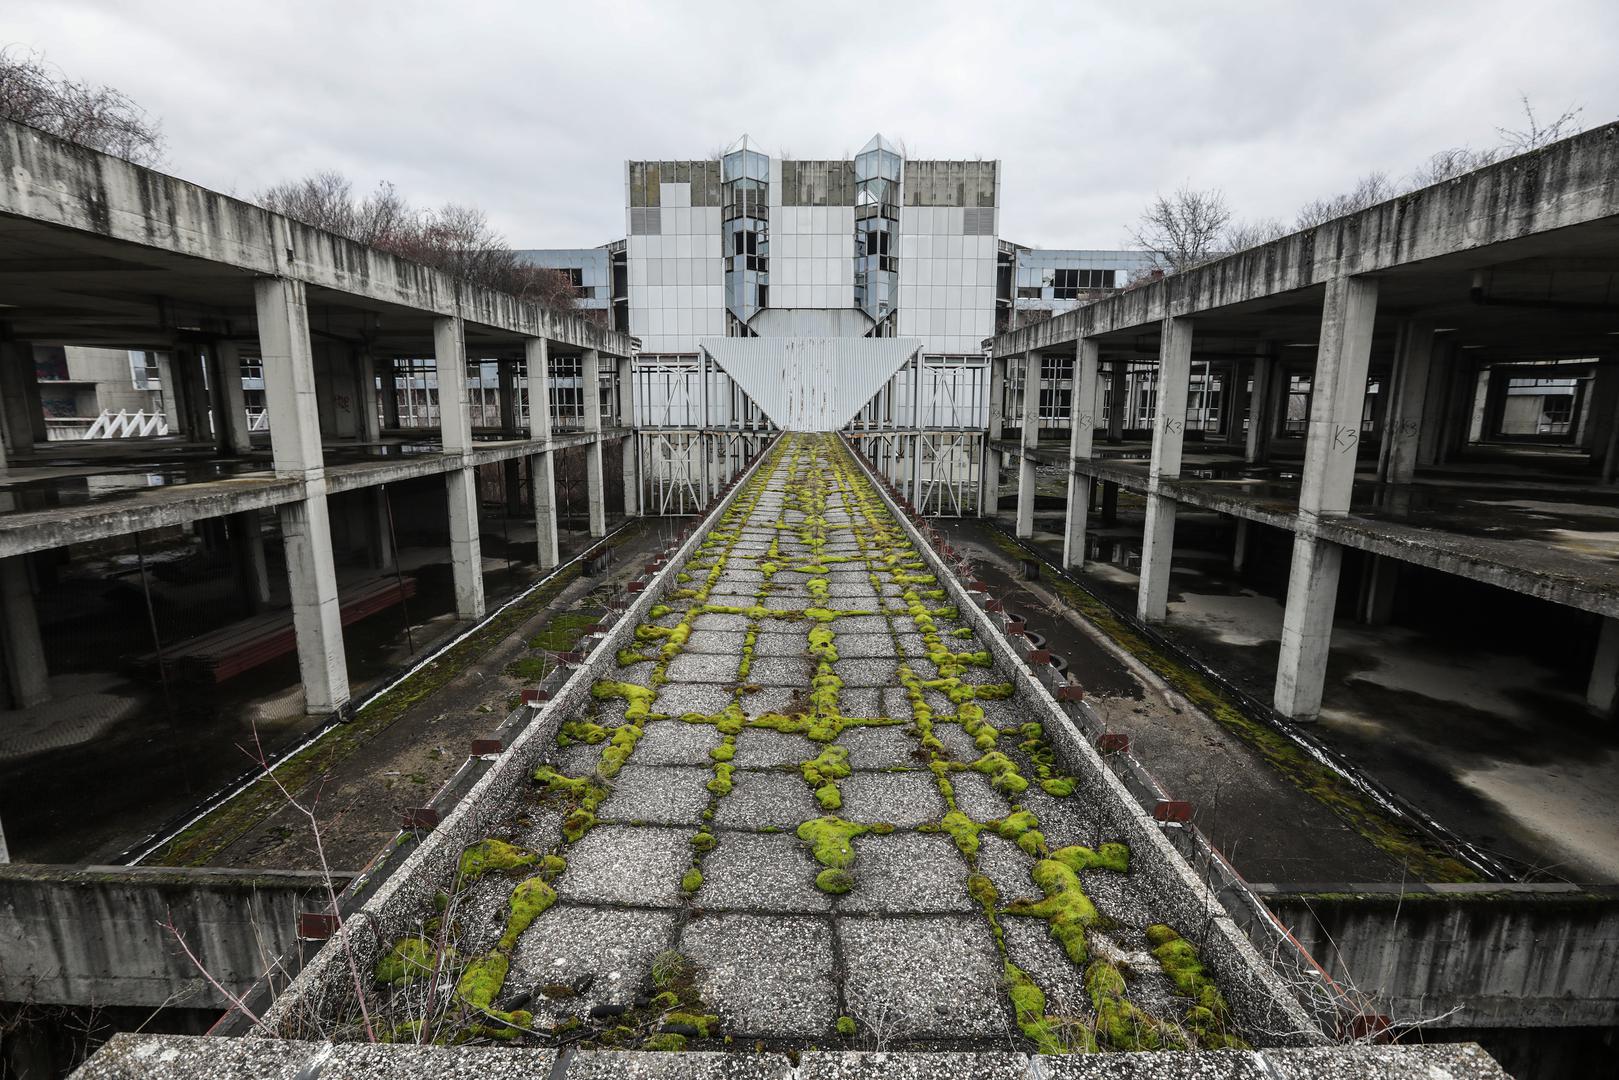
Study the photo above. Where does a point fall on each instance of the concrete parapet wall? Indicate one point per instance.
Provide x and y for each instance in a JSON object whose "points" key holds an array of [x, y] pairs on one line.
{"points": [[178, 1057], [92, 935], [1509, 956]]}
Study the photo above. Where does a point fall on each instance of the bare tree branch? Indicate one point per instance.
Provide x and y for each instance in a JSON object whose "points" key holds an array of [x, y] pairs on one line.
{"points": [[35, 93], [1181, 230]]}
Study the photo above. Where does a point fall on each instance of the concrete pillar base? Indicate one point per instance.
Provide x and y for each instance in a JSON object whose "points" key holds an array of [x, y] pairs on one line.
{"points": [[1312, 594], [306, 534], [466, 554], [1025, 497], [1157, 557], [1603, 689], [26, 674]]}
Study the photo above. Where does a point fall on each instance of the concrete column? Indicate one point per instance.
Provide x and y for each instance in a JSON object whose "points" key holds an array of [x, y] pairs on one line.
{"points": [[630, 447], [193, 395], [1342, 360], [1030, 432], [365, 378], [252, 569], [1261, 420], [917, 496], [1118, 388], [450, 357], [466, 552], [1082, 419], [17, 378], [706, 489], [506, 395], [1435, 402], [1378, 590], [291, 396], [230, 415], [595, 482], [1239, 546], [1603, 689], [542, 466], [1402, 430], [461, 484], [388, 368], [26, 673], [1168, 439], [989, 484]]}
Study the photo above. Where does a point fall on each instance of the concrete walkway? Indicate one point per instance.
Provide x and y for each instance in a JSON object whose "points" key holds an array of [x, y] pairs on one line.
{"points": [[805, 811]]}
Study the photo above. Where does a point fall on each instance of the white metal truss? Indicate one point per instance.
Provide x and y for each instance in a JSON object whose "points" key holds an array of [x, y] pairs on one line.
{"points": [[695, 430], [924, 430]]}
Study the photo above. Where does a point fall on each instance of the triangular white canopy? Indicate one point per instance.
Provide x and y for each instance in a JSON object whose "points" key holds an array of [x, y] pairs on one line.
{"points": [[810, 384]]}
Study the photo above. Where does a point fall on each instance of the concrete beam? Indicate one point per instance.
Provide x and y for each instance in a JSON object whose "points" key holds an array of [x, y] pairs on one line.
{"points": [[1557, 186], [1168, 439], [1082, 422], [55, 182]]}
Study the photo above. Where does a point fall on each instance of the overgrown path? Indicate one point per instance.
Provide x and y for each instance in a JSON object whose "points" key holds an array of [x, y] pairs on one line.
{"points": [[807, 810]]}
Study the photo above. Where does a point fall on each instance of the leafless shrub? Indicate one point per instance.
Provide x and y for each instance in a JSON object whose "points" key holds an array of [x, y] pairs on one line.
{"points": [[1536, 133], [35, 93], [884, 1025], [1369, 190]]}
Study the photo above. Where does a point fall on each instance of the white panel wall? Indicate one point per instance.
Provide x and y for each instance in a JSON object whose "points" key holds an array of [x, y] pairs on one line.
{"points": [[811, 256], [677, 278], [946, 280]]}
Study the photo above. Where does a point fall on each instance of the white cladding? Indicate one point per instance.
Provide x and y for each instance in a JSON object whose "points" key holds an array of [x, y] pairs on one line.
{"points": [[811, 384], [676, 275], [946, 280]]}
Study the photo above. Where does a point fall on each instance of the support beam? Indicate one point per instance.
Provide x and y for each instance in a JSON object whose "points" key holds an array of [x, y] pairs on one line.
{"points": [[1081, 443], [989, 484], [466, 550], [629, 448], [252, 568], [1168, 439], [450, 357], [26, 673], [306, 532], [17, 379], [1342, 360], [366, 381], [1407, 403], [1261, 419], [230, 411], [1030, 431], [1603, 689], [542, 466], [595, 480]]}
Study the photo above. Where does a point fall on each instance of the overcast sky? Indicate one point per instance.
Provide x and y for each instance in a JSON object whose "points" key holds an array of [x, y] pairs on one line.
{"points": [[529, 110]]}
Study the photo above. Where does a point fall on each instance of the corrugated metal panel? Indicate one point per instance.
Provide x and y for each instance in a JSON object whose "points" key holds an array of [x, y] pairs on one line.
{"points": [[810, 384]]}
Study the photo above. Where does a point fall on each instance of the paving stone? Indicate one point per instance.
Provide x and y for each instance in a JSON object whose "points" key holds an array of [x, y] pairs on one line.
{"points": [[1030, 946], [907, 872], [704, 668], [761, 872], [686, 1065], [721, 621], [678, 698], [761, 800], [615, 946], [660, 794], [934, 977], [767, 975], [773, 699], [924, 1065], [675, 742], [627, 864], [762, 748], [903, 799], [867, 671], [880, 747], [723, 642], [795, 644], [975, 797], [958, 745], [789, 671], [1005, 864], [861, 701]]}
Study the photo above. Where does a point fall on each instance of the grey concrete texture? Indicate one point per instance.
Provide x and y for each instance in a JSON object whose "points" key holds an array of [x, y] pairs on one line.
{"points": [[186, 1057]]}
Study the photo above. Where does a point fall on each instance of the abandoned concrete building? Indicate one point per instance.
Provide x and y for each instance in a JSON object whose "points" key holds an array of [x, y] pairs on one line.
{"points": [[847, 643]]}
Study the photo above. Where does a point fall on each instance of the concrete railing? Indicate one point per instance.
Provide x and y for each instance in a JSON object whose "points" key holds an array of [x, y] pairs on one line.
{"points": [[98, 935]]}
